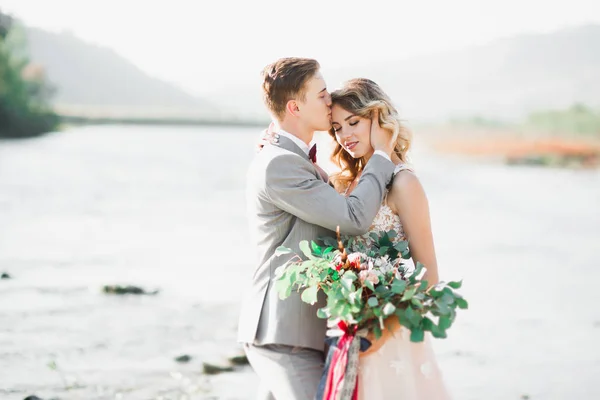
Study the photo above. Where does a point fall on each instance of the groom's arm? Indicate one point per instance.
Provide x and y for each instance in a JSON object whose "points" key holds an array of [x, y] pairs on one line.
{"points": [[292, 186]]}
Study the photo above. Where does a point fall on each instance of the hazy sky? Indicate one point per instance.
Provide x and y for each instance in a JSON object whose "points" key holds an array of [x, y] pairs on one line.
{"points": [[204, 45]]}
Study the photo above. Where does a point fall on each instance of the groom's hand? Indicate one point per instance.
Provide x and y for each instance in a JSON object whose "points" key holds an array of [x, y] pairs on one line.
{"points": [[381, 139], [267, 136]]}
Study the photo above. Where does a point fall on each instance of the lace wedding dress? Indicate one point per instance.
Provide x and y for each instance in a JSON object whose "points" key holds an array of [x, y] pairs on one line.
{"points": [[400, 369]]}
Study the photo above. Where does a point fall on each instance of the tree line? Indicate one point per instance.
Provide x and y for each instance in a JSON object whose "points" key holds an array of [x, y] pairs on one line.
{"points": [[25, 107]]}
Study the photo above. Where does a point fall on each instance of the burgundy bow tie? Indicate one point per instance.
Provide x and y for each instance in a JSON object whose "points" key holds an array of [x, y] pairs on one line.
{"points": [[312, 153]]}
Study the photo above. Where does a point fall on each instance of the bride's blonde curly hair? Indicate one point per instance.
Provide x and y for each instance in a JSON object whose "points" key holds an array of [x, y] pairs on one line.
{"points": [[362, 97]]}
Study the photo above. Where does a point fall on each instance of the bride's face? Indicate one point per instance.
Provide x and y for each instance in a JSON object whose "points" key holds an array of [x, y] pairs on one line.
{"points": [[352, 132]]}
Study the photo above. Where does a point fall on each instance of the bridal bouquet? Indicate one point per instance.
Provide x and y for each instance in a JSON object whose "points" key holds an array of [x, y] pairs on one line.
{"points": [[370, 284], [366, 285]]}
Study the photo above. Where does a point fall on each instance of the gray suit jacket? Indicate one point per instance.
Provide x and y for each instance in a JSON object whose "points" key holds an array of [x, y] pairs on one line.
{"points": [[289, 202]]}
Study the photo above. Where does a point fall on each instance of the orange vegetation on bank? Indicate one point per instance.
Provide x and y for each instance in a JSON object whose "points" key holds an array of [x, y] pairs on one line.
{"points": [[519, 147], [516, 147]]}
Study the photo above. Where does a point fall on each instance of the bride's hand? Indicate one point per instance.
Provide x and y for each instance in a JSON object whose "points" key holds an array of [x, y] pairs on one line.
{"points": [[380, 137], [267, 136], [392, 327]]}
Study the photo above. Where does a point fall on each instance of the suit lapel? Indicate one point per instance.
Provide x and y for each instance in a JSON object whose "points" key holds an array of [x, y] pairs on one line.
{"points": [[289, 145]]}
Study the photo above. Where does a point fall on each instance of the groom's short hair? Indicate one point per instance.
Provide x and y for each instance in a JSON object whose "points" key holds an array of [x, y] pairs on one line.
{"points": [[284, 80]]}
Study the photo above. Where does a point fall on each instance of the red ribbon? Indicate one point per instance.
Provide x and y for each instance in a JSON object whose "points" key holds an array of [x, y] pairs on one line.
{"points": [[339, 363]]}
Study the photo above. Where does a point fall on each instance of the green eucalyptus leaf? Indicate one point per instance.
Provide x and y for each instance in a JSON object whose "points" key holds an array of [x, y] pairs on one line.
{"points": [[382, 289], [443, 308], [377, 331], [282, 250], [398, 286], [427, 324], [438, 332], [417, 335], [316, 248], [401, 314], [329, 241], [462, 303], [347, 283], [309, 295], [280, 273], [373, 302], [321, 313], [419, 268], [420, 296], [286, 293], [282, 289], [413, 316], [305, 248], [444, 322], [455, 284], [416, 302], [328, 250], [388, 309], [401, 246], [350, 275], [408, 294], [355, 297], [446, 298]]}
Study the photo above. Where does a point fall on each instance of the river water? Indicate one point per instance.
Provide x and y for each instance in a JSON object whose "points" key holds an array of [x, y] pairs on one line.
{"points": [[163, 207]]}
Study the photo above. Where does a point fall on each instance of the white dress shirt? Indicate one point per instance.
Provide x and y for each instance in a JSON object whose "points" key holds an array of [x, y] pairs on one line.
{"points": [[300, 143]]}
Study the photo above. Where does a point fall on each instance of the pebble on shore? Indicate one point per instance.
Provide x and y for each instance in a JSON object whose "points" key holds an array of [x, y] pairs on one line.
{"points": [[212, 369], [239, 360], [117, 289], [183, 358]]}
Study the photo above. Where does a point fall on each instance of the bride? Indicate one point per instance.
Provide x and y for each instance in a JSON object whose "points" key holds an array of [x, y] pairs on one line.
{"points": [[393, 367]]}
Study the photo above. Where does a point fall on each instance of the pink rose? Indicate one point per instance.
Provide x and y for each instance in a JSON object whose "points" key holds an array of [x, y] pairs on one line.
{"points": [[368, 275]]}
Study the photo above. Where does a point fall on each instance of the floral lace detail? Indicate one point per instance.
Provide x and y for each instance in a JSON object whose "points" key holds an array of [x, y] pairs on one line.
{"points": [[386, 219]]}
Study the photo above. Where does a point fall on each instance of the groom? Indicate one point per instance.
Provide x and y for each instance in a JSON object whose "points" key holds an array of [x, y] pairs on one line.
{"points": [[287, 202]]}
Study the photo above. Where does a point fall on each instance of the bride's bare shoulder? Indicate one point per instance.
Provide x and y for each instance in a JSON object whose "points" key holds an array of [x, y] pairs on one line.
{"points": [[406, 191]]}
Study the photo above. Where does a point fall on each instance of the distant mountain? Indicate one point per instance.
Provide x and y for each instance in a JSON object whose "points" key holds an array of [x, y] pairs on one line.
{"points": [[506, 78], [91, 75]]}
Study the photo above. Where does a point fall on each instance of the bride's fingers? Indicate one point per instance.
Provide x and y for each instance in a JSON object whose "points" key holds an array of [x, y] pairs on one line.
{"points": [[267, 136], [271, 129], [375, 120]]}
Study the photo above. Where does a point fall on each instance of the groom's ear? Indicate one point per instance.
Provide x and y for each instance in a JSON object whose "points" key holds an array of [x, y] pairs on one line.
{"points": [[292, 108]]}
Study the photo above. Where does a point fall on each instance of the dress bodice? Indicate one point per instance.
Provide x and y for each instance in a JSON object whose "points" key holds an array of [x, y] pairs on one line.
{"points": [[386, 219]]}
